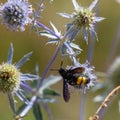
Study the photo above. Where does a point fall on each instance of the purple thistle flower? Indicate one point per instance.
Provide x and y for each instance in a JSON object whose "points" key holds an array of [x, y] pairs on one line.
{"points": [[16, 14], [82, 18], [88, 72]]}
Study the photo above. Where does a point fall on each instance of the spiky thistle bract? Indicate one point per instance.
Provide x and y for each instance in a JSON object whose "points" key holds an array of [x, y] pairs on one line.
{"points": [[44, 95], [82, 19], [11, 78]]}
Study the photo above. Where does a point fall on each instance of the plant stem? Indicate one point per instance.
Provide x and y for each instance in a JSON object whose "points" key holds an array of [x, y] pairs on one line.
{"points": [[99, 113], [33, 99], [48, 67], [28, 107], [82, 106], [48, 110], [28, 88]]}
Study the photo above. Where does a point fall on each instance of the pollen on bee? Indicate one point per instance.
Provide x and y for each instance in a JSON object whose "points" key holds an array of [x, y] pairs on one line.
{"points": [[81, 80]]}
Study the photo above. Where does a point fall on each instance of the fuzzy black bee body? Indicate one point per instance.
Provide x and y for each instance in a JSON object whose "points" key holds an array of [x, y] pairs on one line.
{"points": [[73, 77]]}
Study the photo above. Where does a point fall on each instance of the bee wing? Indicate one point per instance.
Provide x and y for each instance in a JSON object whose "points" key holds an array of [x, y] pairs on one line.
{"points": [[66, 93], [78, 70]]}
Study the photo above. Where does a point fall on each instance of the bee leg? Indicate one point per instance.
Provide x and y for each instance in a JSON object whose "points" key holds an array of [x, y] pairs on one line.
{"points": [[66, 93]]}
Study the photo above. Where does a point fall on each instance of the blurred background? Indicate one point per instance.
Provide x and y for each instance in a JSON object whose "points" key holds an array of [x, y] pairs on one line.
{"points": [[105, 51]]}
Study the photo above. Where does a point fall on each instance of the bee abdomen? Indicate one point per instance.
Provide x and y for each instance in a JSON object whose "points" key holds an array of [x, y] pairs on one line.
{"points": [[82, 81]]}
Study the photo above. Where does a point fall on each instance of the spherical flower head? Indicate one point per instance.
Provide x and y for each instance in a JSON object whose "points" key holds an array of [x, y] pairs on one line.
{"points": [[89, 73], [16, 14], [83, 18], [9, 78]]}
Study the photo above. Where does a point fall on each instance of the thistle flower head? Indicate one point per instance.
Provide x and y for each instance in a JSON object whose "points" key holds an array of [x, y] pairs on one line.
{"points": [[11, 77], [88, 72], [16, 14], [82, 18]]}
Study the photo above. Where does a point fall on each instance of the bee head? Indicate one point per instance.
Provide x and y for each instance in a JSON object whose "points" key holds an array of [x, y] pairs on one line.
{"points": [[61, 70]]}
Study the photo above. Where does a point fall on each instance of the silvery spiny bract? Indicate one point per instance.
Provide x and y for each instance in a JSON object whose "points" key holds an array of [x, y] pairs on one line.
{"points": [[82, 18], [11, 77]]}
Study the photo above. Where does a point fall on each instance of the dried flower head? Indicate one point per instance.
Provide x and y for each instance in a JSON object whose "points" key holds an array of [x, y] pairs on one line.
{"points": [[16, 14], [82, 18]]}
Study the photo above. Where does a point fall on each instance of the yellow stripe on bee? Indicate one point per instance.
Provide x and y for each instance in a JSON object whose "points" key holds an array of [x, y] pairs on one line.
{"points": [[81, 80]]}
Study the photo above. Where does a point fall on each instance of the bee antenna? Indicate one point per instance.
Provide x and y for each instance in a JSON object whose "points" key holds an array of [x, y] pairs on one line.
{"points": [[61, 64], [52, 69]]}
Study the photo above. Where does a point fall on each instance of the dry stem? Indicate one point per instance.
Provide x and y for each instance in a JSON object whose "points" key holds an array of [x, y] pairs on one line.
{"points": [[104, 104]]}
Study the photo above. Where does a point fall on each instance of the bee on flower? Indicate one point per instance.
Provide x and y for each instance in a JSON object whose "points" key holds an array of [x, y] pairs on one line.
{"points": [[11, 79], [16, 14], [82, 18], [81, 77]]}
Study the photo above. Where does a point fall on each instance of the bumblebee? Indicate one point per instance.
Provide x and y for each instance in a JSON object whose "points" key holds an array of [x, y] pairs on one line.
{"points": [[73, 77]]}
